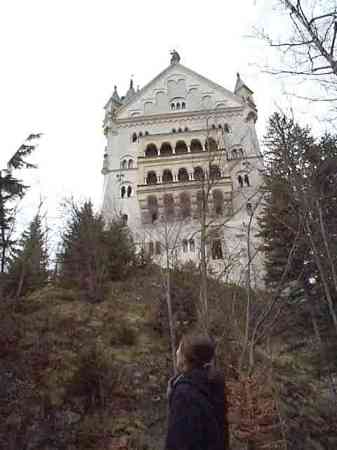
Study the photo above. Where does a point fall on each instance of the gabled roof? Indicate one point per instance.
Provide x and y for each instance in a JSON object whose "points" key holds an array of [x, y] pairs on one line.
{"points": [[174, 68], [240, 84]]}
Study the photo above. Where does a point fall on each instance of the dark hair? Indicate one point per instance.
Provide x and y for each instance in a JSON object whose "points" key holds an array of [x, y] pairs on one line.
{"points": [[198, 349]]}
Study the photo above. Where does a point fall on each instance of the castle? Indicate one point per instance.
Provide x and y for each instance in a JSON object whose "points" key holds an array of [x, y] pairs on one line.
{"points": [[179, 144]]}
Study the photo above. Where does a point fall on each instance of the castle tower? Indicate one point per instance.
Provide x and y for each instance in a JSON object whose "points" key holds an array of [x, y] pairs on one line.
{"points": [[163, 143]]}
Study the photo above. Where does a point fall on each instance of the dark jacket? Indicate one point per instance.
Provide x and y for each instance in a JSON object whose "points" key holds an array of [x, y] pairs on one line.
{"points": [[197, 418]]}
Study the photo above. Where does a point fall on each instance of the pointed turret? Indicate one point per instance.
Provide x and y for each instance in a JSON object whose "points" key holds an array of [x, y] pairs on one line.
{"points": [[242, 90], [115, 95], [131, 91]]}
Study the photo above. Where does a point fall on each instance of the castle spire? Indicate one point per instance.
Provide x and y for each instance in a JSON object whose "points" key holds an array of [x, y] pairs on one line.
{"points": [[115, 95], [131, 91]]}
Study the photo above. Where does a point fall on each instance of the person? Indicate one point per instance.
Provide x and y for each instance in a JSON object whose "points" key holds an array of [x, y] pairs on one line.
{"points": [[197, 418]]}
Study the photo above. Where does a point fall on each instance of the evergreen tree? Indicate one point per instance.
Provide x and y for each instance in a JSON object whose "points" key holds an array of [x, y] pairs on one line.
{"points": [[11, 190], [28, 267], [94, 252]]}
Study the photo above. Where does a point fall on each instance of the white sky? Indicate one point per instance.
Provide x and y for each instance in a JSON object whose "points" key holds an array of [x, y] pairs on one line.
{"points": [[61, 59]]}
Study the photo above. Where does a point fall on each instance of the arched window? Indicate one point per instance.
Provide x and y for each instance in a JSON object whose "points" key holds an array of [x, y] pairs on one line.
{"points": [[213, 126], [130, 164], [180, 130], [220, 126], [192, 245], [124, 219], [134, 137], [196, 146], [234, 154], [185, 246], [217, 249], [240, 153], [152, 204], [246, 180], [186, 129], [169, 206], [173, 130], [140, 134], [181, 148], [185, 205], [183, 175], [183, 105], [215, 172], [198, 173], [200, 202], [123, 191], [240, 181], [218, 202], [178, 106], [151, 177], [129, 191], [124, 164], [166, 149], [173, 106], [151, 151], [211, 145], [146, 133], [227, 128], [167, 176]]}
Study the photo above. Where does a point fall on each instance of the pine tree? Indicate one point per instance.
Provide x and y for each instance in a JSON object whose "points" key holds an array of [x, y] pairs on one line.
{"points": [[93, 252], [11, 190], [28, 267]]}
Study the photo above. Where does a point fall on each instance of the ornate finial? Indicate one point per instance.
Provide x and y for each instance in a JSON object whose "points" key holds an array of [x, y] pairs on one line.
{"points": [[175, 57], [115, 95]]}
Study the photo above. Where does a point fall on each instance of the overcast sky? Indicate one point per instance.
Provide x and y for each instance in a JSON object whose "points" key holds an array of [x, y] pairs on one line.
{"points": [[61, 59]]}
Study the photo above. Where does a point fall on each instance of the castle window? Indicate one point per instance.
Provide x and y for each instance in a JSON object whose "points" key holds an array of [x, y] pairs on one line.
{"points": [[211, 145], [196, 146], [181, 148], [183, 175], [178, 106], [213, 126], [140, 134], [185, 205], [151, 151], [151, 177], [192, 245], [183, 105], [246, 180], [166, 149], [218, 202], [217, 249], [173, 130], [234, 154], [220, 126], [180, 130], [124, 219], [215, 172], [123, 191], [134, 137], [173, 106], [152, 204], [240, 181], [124, 164], [198, 173], [169, 206], [167, 176], [130, 164], [129, 191], [185, 246], [227, 128], [158, 248], [240, 153], [146, 133], [186, 129]]}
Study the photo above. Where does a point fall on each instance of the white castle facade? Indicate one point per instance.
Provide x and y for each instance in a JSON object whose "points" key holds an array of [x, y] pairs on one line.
{"points": [[180, 144]]}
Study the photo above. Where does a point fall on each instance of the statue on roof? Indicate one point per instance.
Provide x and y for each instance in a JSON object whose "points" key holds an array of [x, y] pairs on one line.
{"points": [[175, 57]]}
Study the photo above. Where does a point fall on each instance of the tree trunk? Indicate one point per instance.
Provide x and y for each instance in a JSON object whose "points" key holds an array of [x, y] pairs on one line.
{"points": [[170, 313]]}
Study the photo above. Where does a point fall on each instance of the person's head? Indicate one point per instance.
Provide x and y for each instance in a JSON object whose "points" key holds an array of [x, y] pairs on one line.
{"points": [[195, 351]]}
